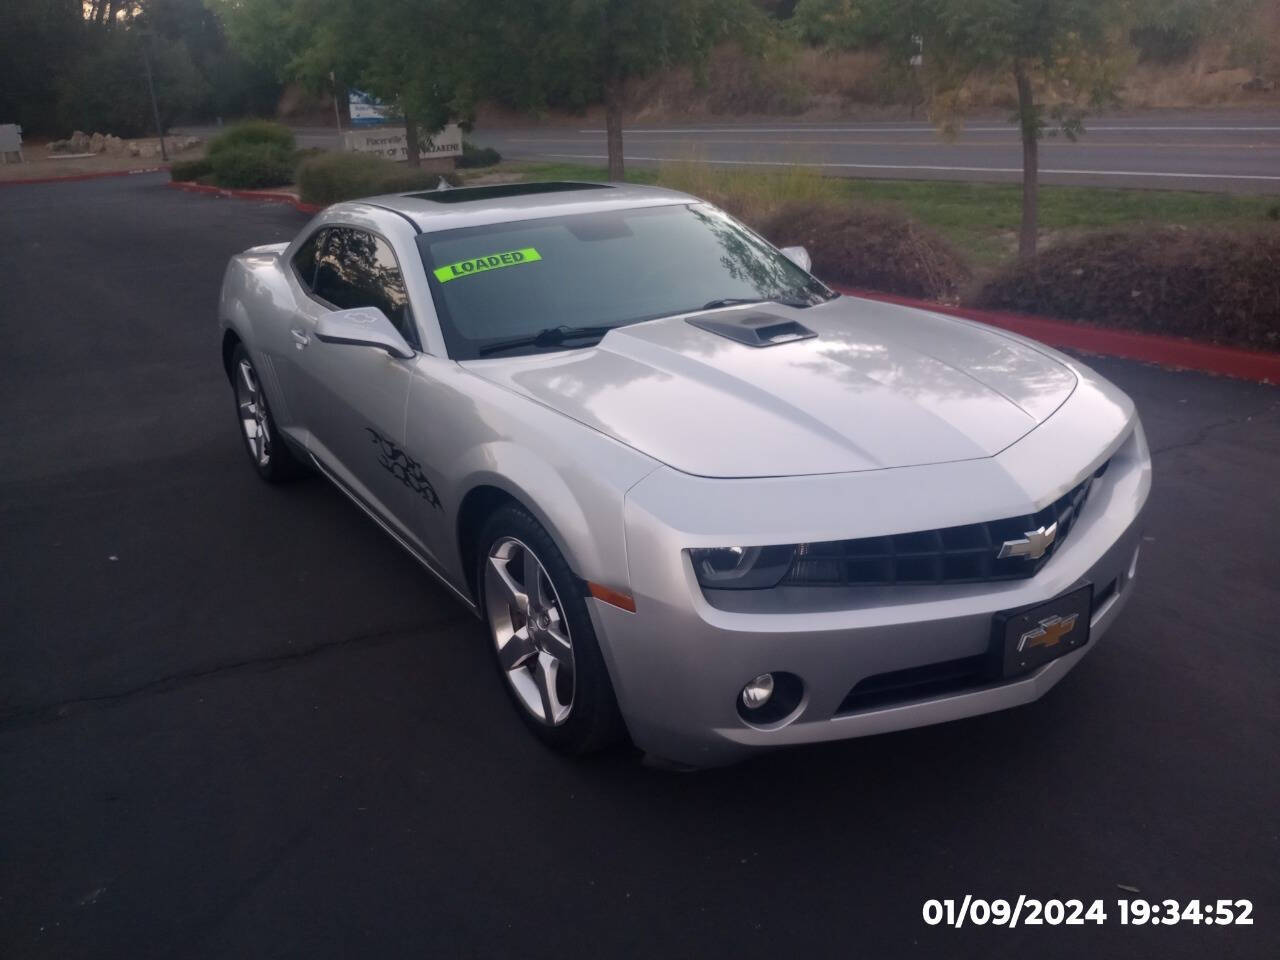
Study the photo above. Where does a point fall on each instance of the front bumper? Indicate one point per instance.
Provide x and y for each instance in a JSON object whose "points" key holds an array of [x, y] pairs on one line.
{"points": [[679, 663]]}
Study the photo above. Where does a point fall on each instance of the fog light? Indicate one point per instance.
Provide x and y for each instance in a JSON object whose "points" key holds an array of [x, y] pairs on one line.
{"points": [[757, 693]]}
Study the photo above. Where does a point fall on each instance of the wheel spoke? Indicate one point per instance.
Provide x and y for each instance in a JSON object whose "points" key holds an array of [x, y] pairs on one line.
{"points": [[246, 374], [512, 592], [517, 651], [544, 675], [533, 578], [563, 649]]}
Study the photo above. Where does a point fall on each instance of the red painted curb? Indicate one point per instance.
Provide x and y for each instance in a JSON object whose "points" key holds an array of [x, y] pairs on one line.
{"points": [[97, 175], [265, 196], [1150, 347]]}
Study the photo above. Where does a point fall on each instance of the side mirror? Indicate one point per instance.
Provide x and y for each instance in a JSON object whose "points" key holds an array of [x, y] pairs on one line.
{"points": [[363, 327], [799, 256]]}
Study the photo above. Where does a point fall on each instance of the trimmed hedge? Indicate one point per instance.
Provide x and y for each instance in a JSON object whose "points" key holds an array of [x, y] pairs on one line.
{"points": [[252, 133], [1208, 284], [252, 166], [330, 177], [473, 156], [190, 169], [870, 248]]}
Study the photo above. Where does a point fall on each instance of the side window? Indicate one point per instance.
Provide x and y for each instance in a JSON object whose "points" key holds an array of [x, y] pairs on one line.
{"points": [[357, 269], [304, 261]]}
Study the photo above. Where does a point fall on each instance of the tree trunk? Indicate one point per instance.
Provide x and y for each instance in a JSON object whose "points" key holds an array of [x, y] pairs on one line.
{"points": [[1030, 130], [613, 127], [411, 139]]}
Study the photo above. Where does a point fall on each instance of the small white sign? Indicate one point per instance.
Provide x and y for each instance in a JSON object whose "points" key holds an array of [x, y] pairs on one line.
{"points": [[368, 109], [11, 141], [393, 144]]}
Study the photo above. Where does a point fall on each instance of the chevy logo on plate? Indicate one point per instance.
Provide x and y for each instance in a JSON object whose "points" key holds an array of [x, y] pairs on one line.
{"points": [[1033, 545], [1048, 633]]}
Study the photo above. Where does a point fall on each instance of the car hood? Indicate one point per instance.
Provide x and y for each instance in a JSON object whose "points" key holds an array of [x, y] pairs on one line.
{"points": [[879, 386]]}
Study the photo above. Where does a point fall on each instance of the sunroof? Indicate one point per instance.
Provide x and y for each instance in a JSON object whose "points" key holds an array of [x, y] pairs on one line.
{"points": [[499, 190]]}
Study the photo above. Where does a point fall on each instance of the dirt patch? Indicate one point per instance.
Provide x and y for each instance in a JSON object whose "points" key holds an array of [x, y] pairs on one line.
{"points": [[41, 164]]}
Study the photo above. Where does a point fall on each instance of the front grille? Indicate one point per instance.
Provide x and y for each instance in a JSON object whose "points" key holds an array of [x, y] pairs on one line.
{"points": [[965, 554]]}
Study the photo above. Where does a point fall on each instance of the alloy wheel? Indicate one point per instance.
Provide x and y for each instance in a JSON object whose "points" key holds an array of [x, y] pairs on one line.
{"points": [[253, 414], [530, 629]]}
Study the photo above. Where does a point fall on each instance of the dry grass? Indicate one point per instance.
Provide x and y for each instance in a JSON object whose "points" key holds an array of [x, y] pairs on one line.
{"points": [[811, 84], [750, 196]]}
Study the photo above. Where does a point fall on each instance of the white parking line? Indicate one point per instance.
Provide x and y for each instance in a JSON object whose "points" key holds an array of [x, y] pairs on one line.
{"points": [[918, 166]]}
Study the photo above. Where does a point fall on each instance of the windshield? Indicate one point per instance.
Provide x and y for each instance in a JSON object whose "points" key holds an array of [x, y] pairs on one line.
{"points": [[497, 284]]}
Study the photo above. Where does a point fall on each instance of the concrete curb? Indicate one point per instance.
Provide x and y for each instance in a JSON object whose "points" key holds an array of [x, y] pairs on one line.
{"points": [[264, 196], [1154, 348], [97, 175]]}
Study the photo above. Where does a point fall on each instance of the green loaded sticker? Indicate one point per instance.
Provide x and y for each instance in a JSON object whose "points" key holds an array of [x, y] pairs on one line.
{"points": [[495, 261]]}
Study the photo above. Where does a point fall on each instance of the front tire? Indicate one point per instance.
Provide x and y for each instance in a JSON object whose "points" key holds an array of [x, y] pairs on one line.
{"points": [[268, 450], [543, 641]]}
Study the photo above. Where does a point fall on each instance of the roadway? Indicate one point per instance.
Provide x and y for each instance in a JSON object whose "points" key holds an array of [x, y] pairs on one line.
{"points": [[238, 721], [1221, 150], [1232, 151]]}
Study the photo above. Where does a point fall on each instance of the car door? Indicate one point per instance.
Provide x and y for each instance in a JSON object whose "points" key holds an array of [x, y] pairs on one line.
{"points": [[284, 326], [354, 397]]}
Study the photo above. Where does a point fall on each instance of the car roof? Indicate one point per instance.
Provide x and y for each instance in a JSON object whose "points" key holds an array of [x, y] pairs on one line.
{"points": [[501, 203]]}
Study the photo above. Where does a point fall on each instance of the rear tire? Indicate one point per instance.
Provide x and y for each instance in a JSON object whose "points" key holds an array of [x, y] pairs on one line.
{"points": [[541, 636], [268, 451]]}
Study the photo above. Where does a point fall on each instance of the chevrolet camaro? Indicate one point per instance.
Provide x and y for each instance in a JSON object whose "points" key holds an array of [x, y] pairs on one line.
{"points": [[699, 498]]}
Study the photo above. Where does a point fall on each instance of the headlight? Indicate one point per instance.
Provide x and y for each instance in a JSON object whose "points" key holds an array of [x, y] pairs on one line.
{"points": [[741, 568]]}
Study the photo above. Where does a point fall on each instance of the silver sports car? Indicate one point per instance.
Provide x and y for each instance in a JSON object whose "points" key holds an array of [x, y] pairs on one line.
{"points": [[698, 497]]}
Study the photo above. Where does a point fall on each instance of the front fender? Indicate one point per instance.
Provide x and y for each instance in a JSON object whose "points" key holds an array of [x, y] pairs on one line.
{"points": [[475, 434]]}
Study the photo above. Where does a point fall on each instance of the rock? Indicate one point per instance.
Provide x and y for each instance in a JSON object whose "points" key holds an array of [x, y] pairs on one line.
{"points": [[78, 142], [133, 149], [97, 143], [58, 146], [113, 144]]}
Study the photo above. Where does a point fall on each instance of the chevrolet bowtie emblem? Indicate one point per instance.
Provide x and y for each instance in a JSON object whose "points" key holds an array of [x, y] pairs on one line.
{"points": [[1033, 545], [1048, 633]]}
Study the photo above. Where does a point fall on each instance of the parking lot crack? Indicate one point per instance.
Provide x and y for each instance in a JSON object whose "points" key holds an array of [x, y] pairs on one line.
{"points": [[58, 710], [1204, 432]]}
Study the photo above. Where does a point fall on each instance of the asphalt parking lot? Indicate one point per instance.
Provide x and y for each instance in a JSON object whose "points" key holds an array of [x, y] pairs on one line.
{"points": [[237, 721]]}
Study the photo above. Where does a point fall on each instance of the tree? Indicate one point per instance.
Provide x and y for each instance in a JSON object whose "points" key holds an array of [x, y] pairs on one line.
{"points": [[585, 51], [1064, 50], [412, 54]]}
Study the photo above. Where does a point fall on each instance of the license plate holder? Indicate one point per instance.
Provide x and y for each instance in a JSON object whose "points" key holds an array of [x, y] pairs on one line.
{"points": [[1030, 637]]}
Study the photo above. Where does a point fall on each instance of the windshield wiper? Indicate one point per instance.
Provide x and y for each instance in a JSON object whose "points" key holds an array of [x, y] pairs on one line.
{"points": [[550, 337], [735, 301]]}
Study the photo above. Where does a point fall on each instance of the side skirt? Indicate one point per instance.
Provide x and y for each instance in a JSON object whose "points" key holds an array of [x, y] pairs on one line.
{"points": [[395, 535]]}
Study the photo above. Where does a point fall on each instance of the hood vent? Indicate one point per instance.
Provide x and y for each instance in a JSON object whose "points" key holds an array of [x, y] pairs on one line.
{"points": [[755, 329]]}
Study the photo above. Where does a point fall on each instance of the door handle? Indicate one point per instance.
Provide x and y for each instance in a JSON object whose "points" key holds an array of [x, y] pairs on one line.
{"points": [[300, 338]]}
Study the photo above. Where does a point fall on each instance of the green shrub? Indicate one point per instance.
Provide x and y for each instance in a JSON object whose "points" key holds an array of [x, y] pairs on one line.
{"points": [[252, 133], [1208, 284], [331, 177], [252, 166], [190, 169], [473, 156], [869, 248]]}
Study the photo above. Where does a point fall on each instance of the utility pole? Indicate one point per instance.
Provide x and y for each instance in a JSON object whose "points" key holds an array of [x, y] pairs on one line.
{"points": [[337, 114], [151, 87]]}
